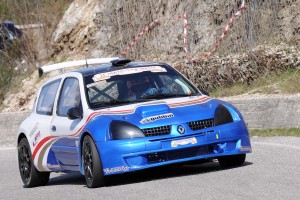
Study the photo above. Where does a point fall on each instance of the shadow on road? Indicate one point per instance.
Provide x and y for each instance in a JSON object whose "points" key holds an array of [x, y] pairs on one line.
{"points": [[73, 178], [157, 173]]}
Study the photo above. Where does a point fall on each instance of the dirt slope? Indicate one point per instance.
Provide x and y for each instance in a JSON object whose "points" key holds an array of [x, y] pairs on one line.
{"points": [[101, 28]]}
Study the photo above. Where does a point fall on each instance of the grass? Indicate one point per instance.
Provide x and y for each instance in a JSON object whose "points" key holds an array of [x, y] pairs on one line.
{"points": [[286, 83], [33, 11], [25, 12], [275, 132]]}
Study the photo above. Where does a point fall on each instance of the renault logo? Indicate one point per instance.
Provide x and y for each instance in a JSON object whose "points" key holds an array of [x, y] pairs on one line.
{"points": [[180, 129]]}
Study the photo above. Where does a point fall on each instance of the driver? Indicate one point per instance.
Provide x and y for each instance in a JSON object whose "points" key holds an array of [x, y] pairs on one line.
{"points": [[141, 87]]}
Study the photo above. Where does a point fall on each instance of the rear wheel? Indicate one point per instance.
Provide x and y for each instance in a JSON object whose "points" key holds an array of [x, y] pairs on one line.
{"points": [[31, 177], [233, 160], [92, 164]]}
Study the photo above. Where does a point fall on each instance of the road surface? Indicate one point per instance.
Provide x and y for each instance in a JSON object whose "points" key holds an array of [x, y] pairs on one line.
{"points": [[272, 171]]}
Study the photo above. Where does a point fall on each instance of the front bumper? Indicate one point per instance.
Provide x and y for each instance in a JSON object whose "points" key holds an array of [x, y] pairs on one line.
{"points": [[119, 156]]}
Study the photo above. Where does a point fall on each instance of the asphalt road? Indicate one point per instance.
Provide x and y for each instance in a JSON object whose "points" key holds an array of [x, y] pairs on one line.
{"points": [[272, 171]]}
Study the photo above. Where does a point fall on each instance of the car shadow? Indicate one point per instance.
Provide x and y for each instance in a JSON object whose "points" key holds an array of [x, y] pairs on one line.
{"points": [[72, 178], [157, 173]]}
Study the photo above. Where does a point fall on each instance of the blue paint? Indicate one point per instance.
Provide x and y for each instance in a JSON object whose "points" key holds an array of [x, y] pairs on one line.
{"points": [[119, 156]]}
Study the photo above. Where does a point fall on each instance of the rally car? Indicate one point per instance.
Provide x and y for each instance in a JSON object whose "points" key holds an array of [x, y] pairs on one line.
{"points": [[124, 116]]}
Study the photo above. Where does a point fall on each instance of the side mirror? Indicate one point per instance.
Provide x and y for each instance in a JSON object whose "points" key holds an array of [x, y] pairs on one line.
{"points": [[74, 113]]}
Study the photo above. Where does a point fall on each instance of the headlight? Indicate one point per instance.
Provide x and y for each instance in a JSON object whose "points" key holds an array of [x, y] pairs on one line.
{"points": [[124, 130], [222, 115]]}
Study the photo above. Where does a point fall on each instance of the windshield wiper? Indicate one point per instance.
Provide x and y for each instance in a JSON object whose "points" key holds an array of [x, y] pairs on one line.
{"points": [[195, 94], [116, 102], [169, 95], [159, 96], [109, 103]]}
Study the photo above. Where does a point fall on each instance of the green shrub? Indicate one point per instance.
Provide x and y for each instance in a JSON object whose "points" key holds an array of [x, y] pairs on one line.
{"points": [[25, 12], [8, 56]]}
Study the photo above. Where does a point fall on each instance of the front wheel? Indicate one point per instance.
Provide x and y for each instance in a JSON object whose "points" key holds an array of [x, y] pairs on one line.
{"points": [[233, 160], [92, 165], [31, 177]]}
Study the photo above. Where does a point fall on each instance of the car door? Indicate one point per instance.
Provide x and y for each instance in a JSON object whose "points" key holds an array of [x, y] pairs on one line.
{"points": [[65, 148], [40, 121], [44, 106]]}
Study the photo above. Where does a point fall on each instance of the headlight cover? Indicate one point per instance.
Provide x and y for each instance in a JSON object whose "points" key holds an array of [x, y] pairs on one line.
{"points": [[123, 130], [222, 115]]}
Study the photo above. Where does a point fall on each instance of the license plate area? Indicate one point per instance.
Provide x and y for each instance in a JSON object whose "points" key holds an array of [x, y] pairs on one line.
{"points": [[182, 142]]}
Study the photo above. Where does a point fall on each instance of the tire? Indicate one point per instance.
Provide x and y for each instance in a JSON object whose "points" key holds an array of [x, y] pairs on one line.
{"points": [[31, 177], [92, 166], [231, 161]]}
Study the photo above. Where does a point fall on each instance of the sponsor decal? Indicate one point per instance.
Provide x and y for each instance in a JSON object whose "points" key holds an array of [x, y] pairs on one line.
{"points": [[176, 143], [157, 117], [36, 138], [245, 148], [34, 129], [107, 75], [116, 169]]}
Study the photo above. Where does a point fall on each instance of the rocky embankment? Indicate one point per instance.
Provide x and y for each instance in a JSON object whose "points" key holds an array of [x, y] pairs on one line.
{"points": [[103, 28], [244, 68], [207, 75]]}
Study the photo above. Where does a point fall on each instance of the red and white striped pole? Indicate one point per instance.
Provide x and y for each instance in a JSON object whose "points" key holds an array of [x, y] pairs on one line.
{"points": [[185, 28], [225, 32], [138, 36]]}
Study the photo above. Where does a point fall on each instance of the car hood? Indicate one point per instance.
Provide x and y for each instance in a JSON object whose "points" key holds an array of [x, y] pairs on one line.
{"points": [[162, 112]]}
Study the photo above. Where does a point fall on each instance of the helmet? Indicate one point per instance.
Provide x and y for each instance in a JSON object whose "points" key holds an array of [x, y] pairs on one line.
{"points": [[138, 85]]}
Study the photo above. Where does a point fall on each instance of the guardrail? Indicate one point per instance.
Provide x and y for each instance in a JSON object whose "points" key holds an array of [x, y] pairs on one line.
{"points": [[29, 26]]}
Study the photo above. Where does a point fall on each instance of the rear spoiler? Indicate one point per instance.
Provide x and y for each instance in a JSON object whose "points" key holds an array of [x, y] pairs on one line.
{"points": [[95, 61]]}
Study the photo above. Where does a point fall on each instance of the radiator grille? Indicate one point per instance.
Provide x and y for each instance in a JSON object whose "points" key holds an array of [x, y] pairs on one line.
{"points": [[201, 124], [156, 131]]}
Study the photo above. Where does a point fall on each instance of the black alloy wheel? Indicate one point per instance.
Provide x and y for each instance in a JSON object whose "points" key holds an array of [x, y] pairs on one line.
{"points": [[24, 163], [92, 166], [30, 176]]}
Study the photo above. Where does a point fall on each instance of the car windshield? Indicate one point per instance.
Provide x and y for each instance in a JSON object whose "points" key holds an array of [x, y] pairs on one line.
{"points": [[137, 84]]}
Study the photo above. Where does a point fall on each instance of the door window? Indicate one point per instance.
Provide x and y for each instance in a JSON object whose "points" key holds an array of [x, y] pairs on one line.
{"points": [[47, 97], [69, 97]]}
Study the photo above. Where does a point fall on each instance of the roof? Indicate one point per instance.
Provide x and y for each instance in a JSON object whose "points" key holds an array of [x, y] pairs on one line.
{"points": [[110, 67]]}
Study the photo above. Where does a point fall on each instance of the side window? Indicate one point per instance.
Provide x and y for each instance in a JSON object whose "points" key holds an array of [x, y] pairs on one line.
{"points": [[174, 84], [103, 91], [69, 96], [46, 98]]}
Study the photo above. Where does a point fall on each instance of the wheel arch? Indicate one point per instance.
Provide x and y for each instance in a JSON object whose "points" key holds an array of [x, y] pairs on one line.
{"points": [[21, 135], [80, 150], [93, 129]]}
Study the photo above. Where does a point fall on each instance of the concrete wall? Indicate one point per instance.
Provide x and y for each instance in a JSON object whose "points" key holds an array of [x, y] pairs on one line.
{"points": [[268, 112], [272, 111], [9, 124]]}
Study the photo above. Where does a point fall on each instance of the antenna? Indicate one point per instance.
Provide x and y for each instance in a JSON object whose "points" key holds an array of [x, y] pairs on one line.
{"points": [[89, 45], [86, 64]]}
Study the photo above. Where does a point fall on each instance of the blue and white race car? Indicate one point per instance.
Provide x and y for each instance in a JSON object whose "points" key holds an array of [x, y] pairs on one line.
{"points": [[124, 116]]}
